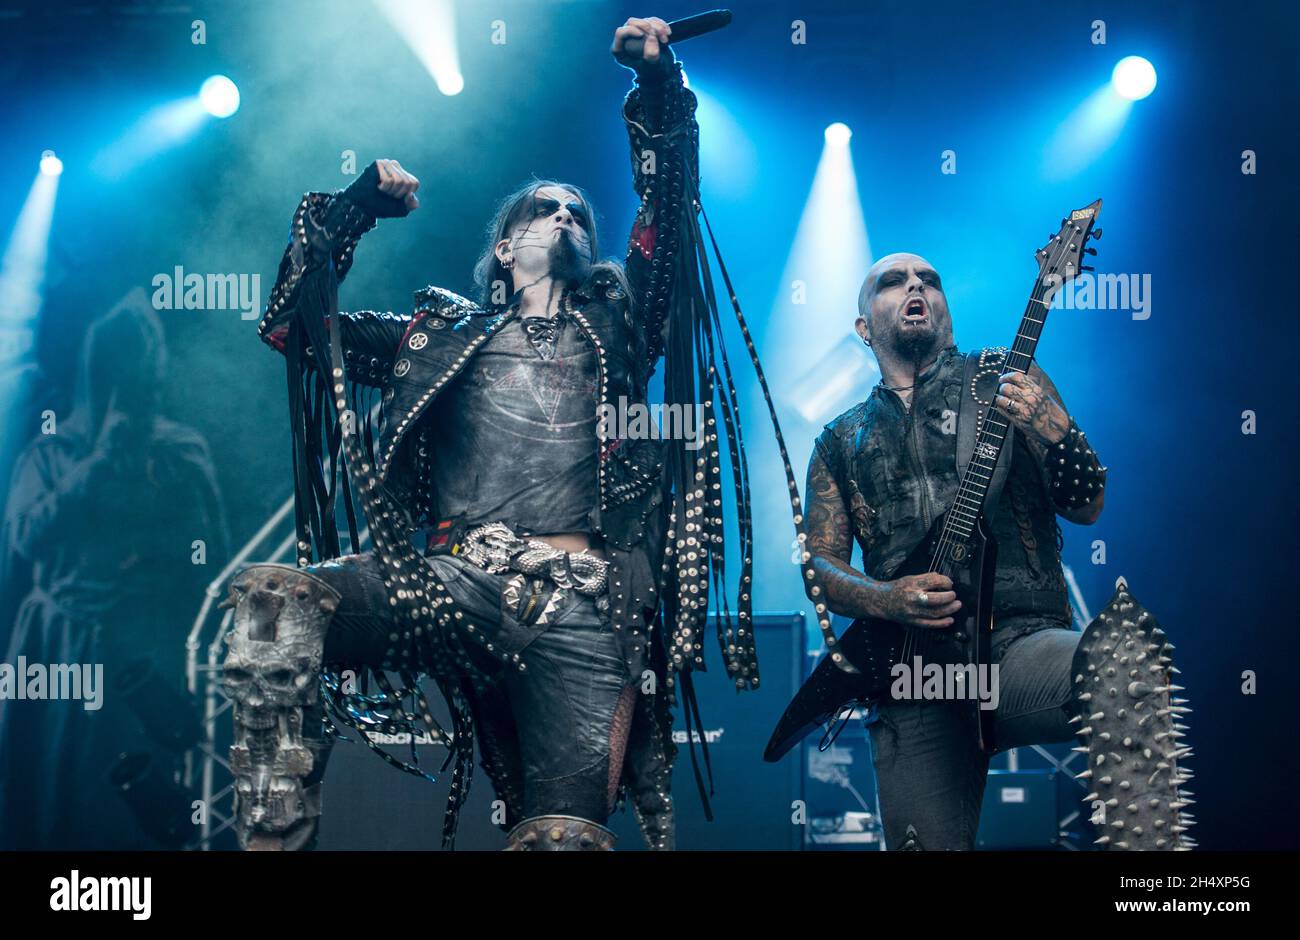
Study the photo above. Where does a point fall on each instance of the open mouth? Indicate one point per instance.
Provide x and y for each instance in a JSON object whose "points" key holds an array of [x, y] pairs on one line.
{"points": [[915, 310]]}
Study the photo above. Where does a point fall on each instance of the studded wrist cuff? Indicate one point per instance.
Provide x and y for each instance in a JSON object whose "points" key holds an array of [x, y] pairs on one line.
{"points": [[1077, 476], [342, 225]]}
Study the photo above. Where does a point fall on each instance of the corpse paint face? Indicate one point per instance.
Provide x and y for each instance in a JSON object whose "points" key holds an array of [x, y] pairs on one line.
{"points": [[552, 238], [903, 310]]}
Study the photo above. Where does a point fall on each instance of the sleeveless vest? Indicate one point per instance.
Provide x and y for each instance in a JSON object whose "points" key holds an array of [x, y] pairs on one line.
{"points": [[898, 470]]}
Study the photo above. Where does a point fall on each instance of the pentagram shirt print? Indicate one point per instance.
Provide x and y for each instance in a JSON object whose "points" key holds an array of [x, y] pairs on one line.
{"points": [[517, 439]]}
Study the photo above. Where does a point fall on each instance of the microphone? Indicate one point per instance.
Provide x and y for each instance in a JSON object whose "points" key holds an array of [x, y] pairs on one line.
{"points": [[686, 28]]}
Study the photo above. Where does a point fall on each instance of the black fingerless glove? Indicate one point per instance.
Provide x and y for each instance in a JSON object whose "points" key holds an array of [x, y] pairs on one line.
{"points": [[365, 195]]}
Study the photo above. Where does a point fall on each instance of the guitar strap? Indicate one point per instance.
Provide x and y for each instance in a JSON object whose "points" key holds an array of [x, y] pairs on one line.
{"points": [[979, 385]]}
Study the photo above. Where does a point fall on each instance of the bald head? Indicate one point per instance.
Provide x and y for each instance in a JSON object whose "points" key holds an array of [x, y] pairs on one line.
{"points": [[902, 309], [869, 284]]}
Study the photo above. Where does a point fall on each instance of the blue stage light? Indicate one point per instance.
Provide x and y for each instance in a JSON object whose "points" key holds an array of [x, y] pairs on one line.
{"points": [[429, 29], [817, 296], [50, 164], [22, 292], [1134, 77], [220, 96], [838, 134]]}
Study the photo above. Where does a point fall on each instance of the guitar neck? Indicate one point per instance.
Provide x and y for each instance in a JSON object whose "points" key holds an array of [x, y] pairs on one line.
{"points": [[994, 428]]}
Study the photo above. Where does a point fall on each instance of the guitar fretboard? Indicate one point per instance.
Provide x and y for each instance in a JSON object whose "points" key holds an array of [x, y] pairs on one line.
{"points": [[973, 489]]}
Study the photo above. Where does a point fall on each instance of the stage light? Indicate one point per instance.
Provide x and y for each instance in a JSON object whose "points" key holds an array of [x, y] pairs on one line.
{"points": [[22, 292], [50, 164], [817, 367], [1134, 77], [161, 127], [1086, 133], [450, 84], [838, 134], [428, 27], [817, 302], [22, 267], [220, 96]]}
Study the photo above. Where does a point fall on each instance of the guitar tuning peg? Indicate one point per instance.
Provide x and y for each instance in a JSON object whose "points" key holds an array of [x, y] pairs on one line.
{"points": [[1090, 251], [1086, 267], [1096, 233]]}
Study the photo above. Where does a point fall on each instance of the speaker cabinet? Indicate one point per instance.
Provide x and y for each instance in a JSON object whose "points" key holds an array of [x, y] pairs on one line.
{"points": [[1020, 811]]}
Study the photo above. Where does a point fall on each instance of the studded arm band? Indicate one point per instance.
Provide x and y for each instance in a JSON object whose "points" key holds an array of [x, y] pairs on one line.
{"points": [[324, 225], [327, 225], [660, 117], [1077, 476], [341, 227], [664, 143]]}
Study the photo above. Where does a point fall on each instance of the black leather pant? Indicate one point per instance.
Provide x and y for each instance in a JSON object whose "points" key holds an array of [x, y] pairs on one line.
{"points": [[930, 771], [568, 714]]}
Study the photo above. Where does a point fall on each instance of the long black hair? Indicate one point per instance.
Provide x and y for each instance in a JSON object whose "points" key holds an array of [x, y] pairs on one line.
{"points": [[513, 211]]}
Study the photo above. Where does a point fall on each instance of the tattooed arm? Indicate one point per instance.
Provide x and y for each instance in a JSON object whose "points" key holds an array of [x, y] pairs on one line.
{"points": [[924, 600], [1033, 405]]}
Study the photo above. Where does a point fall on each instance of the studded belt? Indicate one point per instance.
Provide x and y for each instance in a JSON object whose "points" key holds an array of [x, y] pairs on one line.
{"points": [[496, 549]]}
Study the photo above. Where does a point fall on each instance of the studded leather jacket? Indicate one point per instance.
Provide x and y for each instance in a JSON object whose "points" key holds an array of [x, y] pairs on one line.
{"points": [[897, 468], [415, 356]]}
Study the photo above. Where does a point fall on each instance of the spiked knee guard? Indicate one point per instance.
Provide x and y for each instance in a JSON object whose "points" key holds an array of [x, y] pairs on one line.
{"points": [[559, 834], [272, 674], [1128, 718]]}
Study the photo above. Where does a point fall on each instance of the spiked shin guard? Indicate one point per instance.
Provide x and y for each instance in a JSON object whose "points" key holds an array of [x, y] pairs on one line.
{"points": [[272, 675], [559, 834], [1129, 721]]}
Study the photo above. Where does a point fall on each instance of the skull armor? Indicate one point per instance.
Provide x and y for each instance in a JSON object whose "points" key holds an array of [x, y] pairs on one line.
{"points": [[272, 674]]}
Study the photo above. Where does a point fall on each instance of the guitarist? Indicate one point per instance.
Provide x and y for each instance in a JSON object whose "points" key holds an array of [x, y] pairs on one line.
{"points": [[880, 473]]}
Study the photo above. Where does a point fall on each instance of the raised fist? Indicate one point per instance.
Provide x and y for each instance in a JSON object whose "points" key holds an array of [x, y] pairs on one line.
{"points": [[384, 190], [640, 42]]}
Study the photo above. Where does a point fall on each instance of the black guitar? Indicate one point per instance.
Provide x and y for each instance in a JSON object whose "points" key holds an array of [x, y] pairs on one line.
{"points": [[958, 545]]}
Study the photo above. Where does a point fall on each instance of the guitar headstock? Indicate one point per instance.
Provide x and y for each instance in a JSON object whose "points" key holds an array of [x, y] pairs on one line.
{"points": [[1061, 259]]}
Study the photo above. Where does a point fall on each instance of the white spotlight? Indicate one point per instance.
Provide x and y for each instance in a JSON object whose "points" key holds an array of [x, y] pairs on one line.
{"points": [[452, 83], [220, 96], [1134, 77], [50, 164], [428, 27], [838, 134]]}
